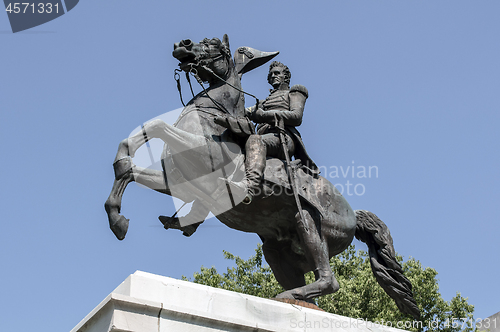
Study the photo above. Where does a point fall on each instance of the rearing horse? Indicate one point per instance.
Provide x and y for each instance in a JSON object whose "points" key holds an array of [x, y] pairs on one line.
{"points": [[198, 152]]}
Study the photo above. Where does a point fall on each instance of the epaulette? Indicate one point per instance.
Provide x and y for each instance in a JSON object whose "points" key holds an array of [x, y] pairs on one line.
{"points": [[300, 88]]}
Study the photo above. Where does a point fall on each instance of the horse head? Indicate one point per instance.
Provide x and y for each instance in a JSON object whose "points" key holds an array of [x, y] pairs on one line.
{"points": [[207, 59]]}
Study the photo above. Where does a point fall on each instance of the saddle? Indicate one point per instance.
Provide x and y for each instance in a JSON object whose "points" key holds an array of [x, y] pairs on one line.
{"points": [[310, 186]]}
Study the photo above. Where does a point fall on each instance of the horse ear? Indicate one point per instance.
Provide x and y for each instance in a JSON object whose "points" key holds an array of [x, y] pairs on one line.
{"points": [[225, 41], [247, 58]]}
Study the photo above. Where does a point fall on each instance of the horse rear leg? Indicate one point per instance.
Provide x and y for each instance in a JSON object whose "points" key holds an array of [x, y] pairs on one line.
{"points": [[283, 263], [316, 253]]}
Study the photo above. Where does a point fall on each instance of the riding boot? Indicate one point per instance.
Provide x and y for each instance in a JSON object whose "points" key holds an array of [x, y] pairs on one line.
{"points": [[255, 163]]}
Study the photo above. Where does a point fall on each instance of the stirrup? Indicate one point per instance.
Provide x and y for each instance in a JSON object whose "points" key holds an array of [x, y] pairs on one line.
{"points": [[248, 199], [239, 186]]}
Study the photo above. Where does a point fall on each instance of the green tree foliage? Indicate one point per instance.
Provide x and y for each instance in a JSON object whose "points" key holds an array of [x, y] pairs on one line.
{"points": [[359, 296], [248, 277]]}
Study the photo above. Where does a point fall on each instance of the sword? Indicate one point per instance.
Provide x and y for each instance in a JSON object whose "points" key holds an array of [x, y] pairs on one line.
{"points": [[280, 124]]}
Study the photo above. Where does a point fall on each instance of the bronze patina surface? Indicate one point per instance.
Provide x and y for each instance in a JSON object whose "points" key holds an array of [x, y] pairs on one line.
{"points": [[249, 180]]}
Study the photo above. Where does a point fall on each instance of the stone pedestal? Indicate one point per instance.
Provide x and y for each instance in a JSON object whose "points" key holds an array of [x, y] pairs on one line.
{"points": [[146, 302]]}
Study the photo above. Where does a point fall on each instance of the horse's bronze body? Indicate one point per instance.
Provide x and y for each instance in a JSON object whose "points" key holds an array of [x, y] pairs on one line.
{"points": [[196, 149]]}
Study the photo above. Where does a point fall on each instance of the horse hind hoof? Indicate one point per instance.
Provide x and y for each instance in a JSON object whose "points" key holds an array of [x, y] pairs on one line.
{"points": [[120, 227], [285, 295]]}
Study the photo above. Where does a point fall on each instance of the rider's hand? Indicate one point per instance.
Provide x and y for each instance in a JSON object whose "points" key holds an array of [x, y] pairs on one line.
{"points": [[249, 112], [222, 121]]}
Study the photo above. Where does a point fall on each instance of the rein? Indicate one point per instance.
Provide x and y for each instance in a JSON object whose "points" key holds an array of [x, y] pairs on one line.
{"points": [[225, 82], [193, 71], [177, 79]]}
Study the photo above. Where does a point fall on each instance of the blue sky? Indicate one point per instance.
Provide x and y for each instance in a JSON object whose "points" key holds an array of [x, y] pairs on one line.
{"points": [[411, 87]]}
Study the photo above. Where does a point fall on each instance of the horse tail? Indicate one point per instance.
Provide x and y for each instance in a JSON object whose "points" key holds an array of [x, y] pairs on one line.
{"points": [[386, 269]]}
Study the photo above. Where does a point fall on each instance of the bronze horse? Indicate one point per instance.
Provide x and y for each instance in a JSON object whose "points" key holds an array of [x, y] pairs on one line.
{"points": [[198, 152]]}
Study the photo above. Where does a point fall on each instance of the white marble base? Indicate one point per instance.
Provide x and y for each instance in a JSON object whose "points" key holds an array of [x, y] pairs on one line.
{"points": [[146, 302]]}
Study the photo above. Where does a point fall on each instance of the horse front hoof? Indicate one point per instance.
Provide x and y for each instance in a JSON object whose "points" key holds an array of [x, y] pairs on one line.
{"points": [[189, 230], [170, 222], [174, 223], [120, 227]]}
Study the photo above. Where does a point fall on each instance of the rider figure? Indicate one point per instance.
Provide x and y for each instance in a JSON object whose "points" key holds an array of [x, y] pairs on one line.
{"points": [[283, 103]]}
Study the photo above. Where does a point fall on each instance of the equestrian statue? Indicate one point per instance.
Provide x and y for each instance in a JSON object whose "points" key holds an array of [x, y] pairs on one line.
{"points": [[258, 180]]}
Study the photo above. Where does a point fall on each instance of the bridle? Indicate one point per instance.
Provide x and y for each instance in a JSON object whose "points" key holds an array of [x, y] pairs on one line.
{"points": [[203, 61]]}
